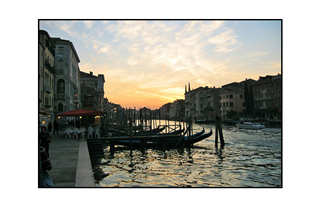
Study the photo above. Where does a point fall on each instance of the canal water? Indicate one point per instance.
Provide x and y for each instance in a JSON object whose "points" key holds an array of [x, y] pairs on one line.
{"points": [[250, 158]]}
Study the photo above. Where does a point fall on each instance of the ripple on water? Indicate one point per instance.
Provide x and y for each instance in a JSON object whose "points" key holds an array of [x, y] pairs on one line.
{"points": [[249, 159]]}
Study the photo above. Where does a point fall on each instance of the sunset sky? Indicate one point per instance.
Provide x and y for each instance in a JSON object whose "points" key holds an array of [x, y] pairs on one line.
{"points": [[148, 63]]}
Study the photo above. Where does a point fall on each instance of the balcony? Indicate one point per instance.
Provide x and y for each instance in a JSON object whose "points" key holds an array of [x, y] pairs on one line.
{"points": [[49, 67], [48, 89]]}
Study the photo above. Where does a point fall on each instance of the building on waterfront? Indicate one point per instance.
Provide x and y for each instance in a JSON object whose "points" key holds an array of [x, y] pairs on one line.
{"points": [[145, 113], [67, 79], [177, 110], [165, 111], [198, 102], [232, 98], [267, 97], [114, 112], [92, 91], [46, 70]]}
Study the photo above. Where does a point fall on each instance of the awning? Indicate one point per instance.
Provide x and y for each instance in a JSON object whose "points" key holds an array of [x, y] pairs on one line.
{"points": [[80, 112]]}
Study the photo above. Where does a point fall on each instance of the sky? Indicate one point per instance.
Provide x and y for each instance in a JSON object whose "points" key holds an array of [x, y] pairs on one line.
{"points": [[149, 63]]}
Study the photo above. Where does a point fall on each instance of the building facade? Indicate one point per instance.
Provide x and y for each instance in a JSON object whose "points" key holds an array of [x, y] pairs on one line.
{"points": [[199, 102], [165, 111], [93, 96], [268, 98], [231, 99], [46, 69], [67, 79], [177, 110]]}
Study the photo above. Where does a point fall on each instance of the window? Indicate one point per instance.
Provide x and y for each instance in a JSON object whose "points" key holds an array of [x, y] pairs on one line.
{"points": [[226, 96], [244, 104], [60, 64], [224, 104], [231, 96], [60, 86], [46, 78], [227, 103], [241, 96], [231, 104], [60, 107]]}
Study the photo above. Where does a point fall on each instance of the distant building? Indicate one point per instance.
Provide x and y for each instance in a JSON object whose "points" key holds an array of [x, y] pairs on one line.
{"points": [[114, 112], [165, 110], [177, 110], [67, 80], [231, 99], [46, 69], [145, 113], [267, 96], [196, 101], [92, 95]]}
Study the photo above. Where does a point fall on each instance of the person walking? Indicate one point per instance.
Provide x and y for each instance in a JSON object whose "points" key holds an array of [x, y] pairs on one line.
{"points": [[55, 126], [45, 139]]}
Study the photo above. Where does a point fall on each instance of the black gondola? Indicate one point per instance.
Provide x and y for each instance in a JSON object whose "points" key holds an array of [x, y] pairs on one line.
{"points": [[197, 137]]}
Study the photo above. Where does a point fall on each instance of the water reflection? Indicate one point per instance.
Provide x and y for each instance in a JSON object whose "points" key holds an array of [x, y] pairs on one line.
{"points": [[249, 158]]}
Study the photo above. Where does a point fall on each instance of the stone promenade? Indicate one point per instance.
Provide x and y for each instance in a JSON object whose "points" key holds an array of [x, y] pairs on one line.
{"points": [[71, 165]]}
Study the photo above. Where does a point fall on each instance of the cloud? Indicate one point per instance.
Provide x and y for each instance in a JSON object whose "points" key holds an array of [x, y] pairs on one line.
{"points": [[211, 26], [104, 49], [132, 61], [95, 46], [224, 41], [116, 39], [256, 54], [88, 24]]}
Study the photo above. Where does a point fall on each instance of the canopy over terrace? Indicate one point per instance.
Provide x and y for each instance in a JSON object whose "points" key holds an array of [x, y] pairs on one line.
{"points": [[80, 112]]}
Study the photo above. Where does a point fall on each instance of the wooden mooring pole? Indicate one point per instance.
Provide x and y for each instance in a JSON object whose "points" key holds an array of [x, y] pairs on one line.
{"points": [[130, 136], [216, 104]]}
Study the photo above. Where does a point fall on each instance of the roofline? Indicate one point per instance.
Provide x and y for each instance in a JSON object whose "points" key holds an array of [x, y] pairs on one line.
{"points": [[70, 43], [47, 34]]}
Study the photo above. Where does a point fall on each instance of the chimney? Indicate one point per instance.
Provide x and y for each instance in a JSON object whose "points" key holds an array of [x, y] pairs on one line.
{"points": [[91, 73]]}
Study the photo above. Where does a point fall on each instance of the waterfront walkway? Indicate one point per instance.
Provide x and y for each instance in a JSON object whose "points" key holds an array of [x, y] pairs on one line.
{"points": [[71, 165]]}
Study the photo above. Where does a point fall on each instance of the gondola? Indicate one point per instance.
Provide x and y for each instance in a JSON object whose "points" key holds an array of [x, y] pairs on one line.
{"points": [[197, 137]]}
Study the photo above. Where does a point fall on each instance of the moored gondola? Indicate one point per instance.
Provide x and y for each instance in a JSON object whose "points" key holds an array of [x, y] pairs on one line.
{"points": [[170, 142]]}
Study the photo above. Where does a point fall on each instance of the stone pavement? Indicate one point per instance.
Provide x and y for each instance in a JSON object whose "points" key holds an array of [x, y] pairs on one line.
{"points": [[71, 165]]}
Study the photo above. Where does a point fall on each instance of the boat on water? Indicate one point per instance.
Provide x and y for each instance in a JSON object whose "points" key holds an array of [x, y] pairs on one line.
{"points": [[170, 142], [250, 125], [204, 121], [232, 122]]}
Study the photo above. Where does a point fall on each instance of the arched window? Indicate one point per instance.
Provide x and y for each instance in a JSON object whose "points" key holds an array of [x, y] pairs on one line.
{"points": [[60, 64], [60, 86], [60, 107]]}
